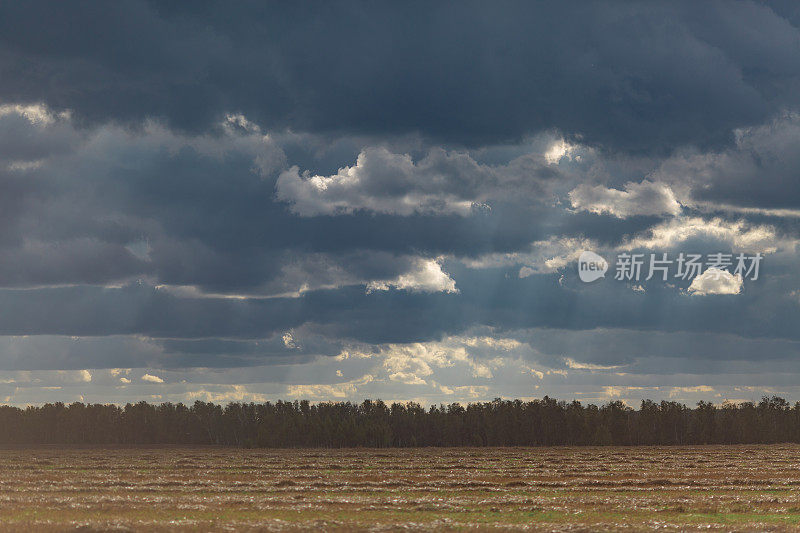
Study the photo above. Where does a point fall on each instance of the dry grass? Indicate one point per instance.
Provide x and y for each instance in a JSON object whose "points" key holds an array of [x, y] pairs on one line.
{"points": [[739, 488]]}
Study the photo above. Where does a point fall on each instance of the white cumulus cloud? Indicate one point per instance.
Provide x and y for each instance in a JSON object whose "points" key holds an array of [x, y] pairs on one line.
{"points": [[427, 276], [716, 281], [645, 198], [386, 182], [739, 235]]}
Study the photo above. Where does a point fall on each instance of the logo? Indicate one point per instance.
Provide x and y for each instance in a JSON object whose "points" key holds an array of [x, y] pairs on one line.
{"points": [[591, 266]]}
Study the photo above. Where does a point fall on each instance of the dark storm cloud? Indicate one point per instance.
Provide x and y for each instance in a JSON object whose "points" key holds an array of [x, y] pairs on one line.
{"points": [[644, 76], [202, 211], [488, 296], [761, 170]]}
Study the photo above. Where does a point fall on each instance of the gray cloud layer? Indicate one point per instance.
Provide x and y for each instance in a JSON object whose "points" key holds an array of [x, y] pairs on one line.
{"points": [[216, 186]]}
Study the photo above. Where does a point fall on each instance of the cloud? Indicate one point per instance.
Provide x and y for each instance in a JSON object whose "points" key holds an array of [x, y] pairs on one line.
{"points": [[558, 150], [678, 391], [419, 226], [442, 182], [417, 363], [540, 257], [756, 172], [651, 359], [716, 281], [407, 378], [230, 393], [348, 389], [289, 342], [37, 114], [738, 235], [645, 198], [382, 182], [157, 231], [625, 77], [428, 276], [152, 379], [577, 365]]}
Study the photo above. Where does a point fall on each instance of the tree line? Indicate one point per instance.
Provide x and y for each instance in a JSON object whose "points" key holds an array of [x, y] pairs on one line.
{"points": [[545, 422]]}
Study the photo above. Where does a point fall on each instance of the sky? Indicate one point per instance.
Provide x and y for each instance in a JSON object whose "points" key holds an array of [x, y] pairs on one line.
{"points": [[255, 201]]}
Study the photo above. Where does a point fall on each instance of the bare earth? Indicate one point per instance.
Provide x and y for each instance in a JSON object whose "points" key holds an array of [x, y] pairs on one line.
{"points": [[739, 488]]}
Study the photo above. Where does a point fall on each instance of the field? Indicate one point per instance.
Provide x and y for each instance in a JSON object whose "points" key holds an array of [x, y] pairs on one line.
{"points": [[740, 488]]}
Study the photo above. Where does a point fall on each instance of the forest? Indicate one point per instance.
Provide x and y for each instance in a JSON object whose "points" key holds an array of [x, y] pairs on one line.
{"points": [[544, 422]]}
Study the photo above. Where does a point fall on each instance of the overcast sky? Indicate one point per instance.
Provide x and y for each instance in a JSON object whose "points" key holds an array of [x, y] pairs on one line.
{"points": [[251, 201]]}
